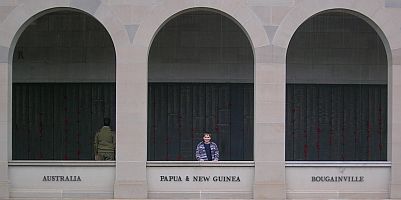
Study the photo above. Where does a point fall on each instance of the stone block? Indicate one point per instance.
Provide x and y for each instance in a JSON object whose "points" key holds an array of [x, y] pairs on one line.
{"points": [[269, 112], [87, 194], [270, 73], [279, 13], [35, 194], [368, 8], [312, 195], [4, 54], [392, 4], [396, 173], [130, 171], [363, 195], [130, 190], [264, 13], [270, 54], [88, 6], [4, 189], [269, 152], [269, 191], [270, 132], [270, 92], [270, 172], [226, 195], [174, 195], [395, 191]]}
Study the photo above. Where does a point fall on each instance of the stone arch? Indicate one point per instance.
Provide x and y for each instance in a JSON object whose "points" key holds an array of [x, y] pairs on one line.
{"points": [[21, 16], [87, 25], [376, 16], [237, 11], [344, 49], [193, 33], [307, 9], [16, 23]]}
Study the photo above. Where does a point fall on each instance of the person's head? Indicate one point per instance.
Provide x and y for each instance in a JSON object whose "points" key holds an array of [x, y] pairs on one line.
{"points": [[106, 121], [207, 137]]}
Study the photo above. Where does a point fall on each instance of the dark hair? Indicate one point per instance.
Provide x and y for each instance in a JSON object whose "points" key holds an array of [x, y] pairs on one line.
{"points": [[207, 133], [106, 121]]}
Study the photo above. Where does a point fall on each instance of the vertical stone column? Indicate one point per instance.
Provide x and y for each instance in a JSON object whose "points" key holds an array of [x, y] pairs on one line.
{"points": [[394, 132], [269, 123], [4, 123], [131, 82]]}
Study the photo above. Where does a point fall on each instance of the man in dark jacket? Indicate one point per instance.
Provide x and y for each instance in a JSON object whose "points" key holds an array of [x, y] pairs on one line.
{"points": [[105, 142]]}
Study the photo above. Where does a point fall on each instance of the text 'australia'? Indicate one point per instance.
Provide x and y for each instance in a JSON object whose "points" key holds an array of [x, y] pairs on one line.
{"points": [[62, 178]]}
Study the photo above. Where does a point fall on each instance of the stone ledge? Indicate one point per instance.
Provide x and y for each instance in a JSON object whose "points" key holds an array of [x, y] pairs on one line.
{"points": [[337, 164], [62, 163], [200, 163], [200, 195], [59, 193]]}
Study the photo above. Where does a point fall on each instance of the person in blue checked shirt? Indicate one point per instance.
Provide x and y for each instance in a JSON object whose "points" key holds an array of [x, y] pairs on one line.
{"points": [[207, 150]]}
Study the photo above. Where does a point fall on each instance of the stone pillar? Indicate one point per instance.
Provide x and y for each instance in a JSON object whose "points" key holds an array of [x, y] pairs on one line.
{"points": [[4, 124], [131, 83], [269, 123], [394, 131]]}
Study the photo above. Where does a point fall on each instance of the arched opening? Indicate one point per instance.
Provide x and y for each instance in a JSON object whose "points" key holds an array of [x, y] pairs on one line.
{"points": [[200, 80], [63, 85], [336, 99]]}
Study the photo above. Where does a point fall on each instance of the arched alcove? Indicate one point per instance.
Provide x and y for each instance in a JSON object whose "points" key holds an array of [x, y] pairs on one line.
{"points": [[201, 73], [63, 85], [336, 101]]}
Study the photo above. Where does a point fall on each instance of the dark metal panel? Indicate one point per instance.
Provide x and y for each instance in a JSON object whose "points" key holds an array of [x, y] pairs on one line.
{"points": [[323, 128], [383, 123], [85, 132], [364, 127], [289, 121], [359, 121], [198, 116], [188, 110], [170, 107], [349, 128], [186, 122], [210, 111], [175, 125], [71, 129], [248, 122], [375, 123], [237, 123], [34, 109], [312, 123], [46, 122], [151, 124], [371, 123], [299, 111], [97, 106], [58, 119], [343, 122], [160, 126], [15, 125], [222, 133], [107, 100], [338, 120], [21, 121], [63, 106], [113, 108]]}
